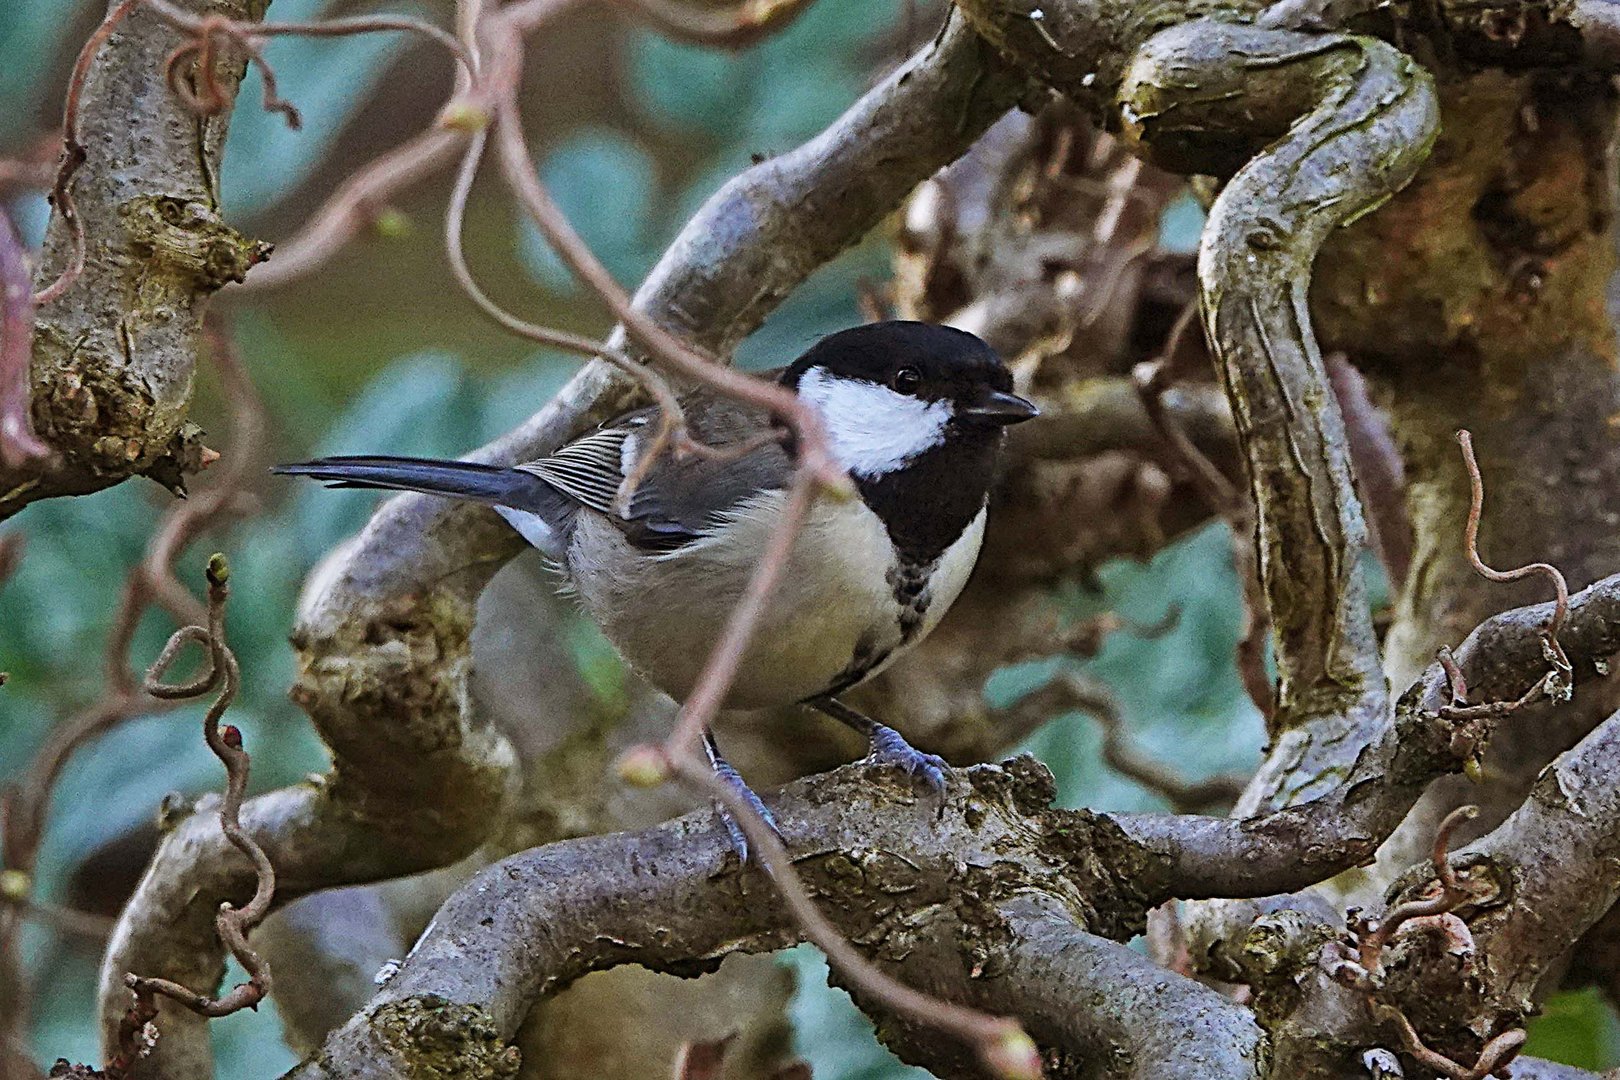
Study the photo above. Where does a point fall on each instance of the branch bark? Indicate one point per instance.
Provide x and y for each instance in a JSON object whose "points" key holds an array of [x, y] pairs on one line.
{"points": [[996, 901], [945, 898], [1538, 882], [1342, 821], [113, 357]]}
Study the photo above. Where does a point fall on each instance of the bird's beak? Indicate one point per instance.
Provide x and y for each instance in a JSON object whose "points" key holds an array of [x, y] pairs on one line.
{"points": [[999, 408]]}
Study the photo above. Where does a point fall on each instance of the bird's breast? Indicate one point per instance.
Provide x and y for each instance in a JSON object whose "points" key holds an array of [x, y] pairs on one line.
{"points": [[845, 605]]}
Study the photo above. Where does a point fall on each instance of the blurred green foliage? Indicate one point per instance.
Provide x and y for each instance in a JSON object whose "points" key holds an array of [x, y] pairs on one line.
{"points": [[693, 118], [31, 37], [326, 78]]}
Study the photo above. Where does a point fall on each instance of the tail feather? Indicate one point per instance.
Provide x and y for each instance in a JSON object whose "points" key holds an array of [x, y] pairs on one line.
{"points": [[458, 479], [535, 508]]}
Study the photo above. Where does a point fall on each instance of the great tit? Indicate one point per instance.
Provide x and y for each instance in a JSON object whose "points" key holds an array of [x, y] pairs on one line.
{"points": [[915, 412]]}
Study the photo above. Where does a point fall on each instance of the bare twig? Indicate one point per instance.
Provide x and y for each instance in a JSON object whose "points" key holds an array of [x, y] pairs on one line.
{"points": [[1452, 892], [1073, 690], [18, 443], [205, 26], [67, 921], [999, 1043], [912, 122], [24, 805], [517, 165], [136, 1036], [1366, 972], [233, 924], [154, 578], [352, 206], [672, 418], [34, 169], [720, 670], [1558, 683], [204, 31], [249, 37], [212, 100], [817, 468], [1495, 1054]]}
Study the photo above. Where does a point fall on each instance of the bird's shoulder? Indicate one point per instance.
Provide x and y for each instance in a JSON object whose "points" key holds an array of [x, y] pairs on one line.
{"points": [[681, 496]]}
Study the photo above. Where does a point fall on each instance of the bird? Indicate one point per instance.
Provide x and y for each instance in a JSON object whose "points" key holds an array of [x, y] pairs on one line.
{"points": [[916, 413]]}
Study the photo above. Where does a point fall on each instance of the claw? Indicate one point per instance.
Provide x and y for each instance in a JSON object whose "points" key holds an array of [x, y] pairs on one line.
{"points": [[732, 779], [886, 746], [889, 747]]}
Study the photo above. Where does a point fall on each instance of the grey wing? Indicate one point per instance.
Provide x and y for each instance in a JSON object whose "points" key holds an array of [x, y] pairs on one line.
{"points": [[590, 469], [680, 499]]}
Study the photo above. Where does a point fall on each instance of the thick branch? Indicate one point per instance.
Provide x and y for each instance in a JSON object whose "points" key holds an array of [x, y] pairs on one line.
{"points": [[887, 871], [1340, 820], [988, 902], [1555, 866], [114, 354], [1147, 1021], [1369, 116]]}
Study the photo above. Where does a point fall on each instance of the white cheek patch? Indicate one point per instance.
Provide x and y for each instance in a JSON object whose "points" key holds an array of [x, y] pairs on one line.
{"points": [[873, 430]]}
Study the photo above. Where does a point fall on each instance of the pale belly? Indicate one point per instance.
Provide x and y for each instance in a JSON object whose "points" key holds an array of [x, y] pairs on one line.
{"points": [[834, 607]]}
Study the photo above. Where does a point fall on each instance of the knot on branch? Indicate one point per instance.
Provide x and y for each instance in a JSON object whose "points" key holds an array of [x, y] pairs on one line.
{"points": [[386, 686], [436, 1037], [186, 241], [99, 414], [1087, 858]]}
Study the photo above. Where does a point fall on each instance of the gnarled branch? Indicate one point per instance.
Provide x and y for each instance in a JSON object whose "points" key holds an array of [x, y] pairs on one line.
{"points": [[996, 901], [114, 354]]}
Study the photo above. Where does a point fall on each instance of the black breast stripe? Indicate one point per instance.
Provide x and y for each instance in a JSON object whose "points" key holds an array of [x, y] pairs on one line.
{"points": [[910, 582]]}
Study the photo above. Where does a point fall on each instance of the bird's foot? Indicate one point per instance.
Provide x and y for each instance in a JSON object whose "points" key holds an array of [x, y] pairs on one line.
{"points": [[732, 779], [889, 747], [886, 746]]}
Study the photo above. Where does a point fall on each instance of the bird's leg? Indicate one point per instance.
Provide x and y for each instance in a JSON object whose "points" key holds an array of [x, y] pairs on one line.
{"points": [[732, 779], [886, 745]]}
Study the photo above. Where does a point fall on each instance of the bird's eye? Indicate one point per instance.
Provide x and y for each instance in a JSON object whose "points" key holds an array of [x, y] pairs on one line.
{"points": [[906, 380]]}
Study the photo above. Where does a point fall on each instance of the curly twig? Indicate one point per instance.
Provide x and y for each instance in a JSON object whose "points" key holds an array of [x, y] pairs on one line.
{"points": [[1365, 972], [1451, 894], [232, 923], [1493, 1056], [1558, 684], [743, 23], [672, 418], [24, 806], [1000, 1042]]}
